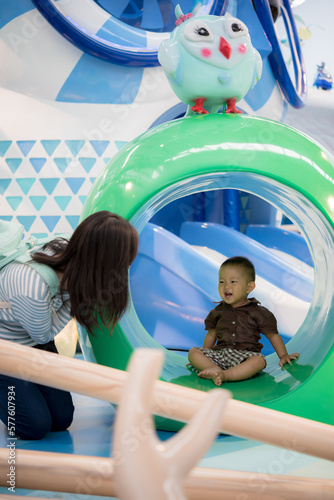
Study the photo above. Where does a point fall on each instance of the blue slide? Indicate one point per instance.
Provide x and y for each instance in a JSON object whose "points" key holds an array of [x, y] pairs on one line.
{"points": [[270, 266], [277, 238], [181, 286], [182, 283]]}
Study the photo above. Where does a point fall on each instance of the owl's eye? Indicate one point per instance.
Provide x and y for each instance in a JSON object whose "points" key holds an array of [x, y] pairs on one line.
{"points": [[202, 31], [236, 28], [198, 31]]}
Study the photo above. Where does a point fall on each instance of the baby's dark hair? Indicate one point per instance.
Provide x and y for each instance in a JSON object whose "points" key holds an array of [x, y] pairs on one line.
{"points": [[243, 263]]}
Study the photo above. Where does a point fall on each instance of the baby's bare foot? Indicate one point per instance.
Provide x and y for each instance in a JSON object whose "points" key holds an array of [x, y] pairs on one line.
{"points": [[215, 374]]}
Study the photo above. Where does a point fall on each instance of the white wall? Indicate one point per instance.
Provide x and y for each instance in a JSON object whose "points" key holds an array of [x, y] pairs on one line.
{"points": [[316, 118], [318, 20]]}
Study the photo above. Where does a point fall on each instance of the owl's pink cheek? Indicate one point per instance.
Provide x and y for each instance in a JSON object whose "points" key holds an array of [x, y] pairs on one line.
{"points": [[242, 48], [206, 52]]}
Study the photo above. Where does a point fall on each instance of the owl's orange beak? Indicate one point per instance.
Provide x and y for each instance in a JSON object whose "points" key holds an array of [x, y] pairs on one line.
{"points": [[225, 48]]}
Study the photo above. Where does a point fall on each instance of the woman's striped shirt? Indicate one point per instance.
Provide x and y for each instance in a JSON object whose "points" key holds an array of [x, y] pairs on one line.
{"points": [[34, 317]]}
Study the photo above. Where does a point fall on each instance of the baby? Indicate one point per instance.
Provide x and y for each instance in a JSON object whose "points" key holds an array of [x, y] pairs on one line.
{"points": [[232, 350]]}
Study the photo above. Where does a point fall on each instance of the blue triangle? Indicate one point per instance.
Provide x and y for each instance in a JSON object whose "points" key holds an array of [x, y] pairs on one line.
{"points": [[7, 218], [82, 198], [49, 184], [39, 235], [62, 163], [120, 144], [25, 146], [50, 146], [4, 145], [37, 201], [87, 163], [37, 163], [244, 202], [14, 201], [63, 201], [13, 163], [74, 146], [4, 183], [73, 220], [99, 146], [25, 184], [243, 219], [92, 179], [106, 160], [90, 81], [50, 221], [75, 183], [26, 220]]}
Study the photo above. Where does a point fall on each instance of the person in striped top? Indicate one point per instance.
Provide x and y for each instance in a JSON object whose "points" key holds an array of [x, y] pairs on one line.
{"points": [[92, 268]]}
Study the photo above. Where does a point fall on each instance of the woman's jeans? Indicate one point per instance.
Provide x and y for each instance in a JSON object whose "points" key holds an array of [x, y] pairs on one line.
{"points": [[36, 409]]}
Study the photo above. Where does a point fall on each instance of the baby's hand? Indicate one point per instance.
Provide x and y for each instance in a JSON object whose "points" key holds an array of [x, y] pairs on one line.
{"points": [[287, 358]]}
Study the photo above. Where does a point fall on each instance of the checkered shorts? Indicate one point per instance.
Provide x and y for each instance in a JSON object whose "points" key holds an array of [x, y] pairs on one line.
{"points": [[227, 358]]}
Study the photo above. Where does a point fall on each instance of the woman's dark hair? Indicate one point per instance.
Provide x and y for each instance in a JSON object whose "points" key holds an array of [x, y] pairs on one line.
{"points": [[242, 262], [95, 263]]}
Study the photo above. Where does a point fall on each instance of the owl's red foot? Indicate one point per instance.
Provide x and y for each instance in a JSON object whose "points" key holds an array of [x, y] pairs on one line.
{"points": [[231, 106], [198, 107]]}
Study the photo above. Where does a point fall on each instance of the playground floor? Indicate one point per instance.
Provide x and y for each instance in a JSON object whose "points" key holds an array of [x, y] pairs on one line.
{"points": [[92, 430]]}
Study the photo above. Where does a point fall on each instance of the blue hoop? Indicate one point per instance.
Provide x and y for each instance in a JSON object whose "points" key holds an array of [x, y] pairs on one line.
{"points": [[294, 96], [103, 49]]}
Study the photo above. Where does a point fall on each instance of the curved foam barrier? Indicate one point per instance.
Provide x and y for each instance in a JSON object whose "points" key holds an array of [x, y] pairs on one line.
{"points": [[257, 155], [270, 266], [280, 239]]}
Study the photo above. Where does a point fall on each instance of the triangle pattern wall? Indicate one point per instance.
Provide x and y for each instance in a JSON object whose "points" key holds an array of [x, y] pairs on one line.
{"points": [[44, 183]]}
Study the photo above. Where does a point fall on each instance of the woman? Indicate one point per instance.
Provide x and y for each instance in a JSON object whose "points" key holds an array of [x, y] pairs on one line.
{"points": [[92, 268]]}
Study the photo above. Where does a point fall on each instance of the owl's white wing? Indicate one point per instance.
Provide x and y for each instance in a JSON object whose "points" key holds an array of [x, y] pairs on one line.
{"points": [[257, 68], [169, 56]]}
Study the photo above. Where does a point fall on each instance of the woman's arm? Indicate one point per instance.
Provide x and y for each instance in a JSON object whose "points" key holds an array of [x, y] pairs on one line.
{"points": [[277, 342]]}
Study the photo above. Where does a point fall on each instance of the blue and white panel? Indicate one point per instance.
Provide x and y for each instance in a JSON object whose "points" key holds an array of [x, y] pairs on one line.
{"points": [[65, 113]]}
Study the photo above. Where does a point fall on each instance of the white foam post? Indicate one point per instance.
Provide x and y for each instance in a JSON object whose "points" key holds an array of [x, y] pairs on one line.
{"points": [[170, 400], [145, 466]]}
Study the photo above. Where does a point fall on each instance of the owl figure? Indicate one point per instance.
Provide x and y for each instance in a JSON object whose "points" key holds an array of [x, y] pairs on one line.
{"points": [[209, 62]]}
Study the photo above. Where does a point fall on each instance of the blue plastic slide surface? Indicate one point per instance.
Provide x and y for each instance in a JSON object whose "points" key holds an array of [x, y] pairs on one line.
{"points": [[272, 267], [280, 239], [182, 286]]}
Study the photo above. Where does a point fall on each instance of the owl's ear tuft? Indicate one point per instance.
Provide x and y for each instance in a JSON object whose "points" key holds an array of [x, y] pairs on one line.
{"points": [[180, 17], [178, 11]]}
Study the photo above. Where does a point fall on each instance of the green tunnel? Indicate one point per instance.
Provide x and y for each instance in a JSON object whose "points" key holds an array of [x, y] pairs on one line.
{"points": [[260, 156]]}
